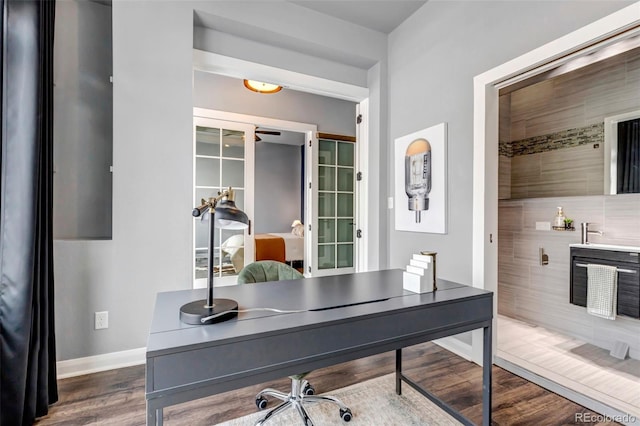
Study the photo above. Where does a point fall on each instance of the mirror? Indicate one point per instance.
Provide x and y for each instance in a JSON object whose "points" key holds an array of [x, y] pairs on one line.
{"points": [[622, 153], [552, 125]]}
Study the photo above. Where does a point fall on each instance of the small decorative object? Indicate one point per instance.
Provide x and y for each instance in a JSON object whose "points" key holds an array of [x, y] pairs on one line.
{"points": [[558, 221], [420, 161], [568, 224], [420, 274]]}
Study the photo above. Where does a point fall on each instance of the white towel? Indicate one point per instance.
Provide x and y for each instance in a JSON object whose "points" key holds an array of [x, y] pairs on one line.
{"points": [[602, 289]]}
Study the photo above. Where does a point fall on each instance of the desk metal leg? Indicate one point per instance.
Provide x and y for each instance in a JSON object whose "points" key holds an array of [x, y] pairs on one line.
{"points": [[154, 415], [487, 361], [399, 371]]}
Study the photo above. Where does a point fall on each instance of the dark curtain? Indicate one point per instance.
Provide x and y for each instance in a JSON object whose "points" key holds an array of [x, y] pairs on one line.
{"points": [[629, 156], [27, 341]]}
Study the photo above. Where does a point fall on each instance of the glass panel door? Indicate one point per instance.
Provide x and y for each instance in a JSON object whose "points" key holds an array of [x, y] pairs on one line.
{"points": [[222, 159], [335, 195]]}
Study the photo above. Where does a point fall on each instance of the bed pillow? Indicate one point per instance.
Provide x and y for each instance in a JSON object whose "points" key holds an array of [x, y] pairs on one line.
{"points": [[297, 228]]}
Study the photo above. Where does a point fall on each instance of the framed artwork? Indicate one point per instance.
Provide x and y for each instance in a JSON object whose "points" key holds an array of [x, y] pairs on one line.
{"points": [[420, 183]]}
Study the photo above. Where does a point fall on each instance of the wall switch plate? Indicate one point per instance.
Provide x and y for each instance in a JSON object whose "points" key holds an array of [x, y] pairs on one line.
{"points": [[390, 203], [543, 226], [101, 320]]}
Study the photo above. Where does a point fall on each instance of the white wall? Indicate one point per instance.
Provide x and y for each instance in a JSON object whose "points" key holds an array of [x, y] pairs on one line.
{"points": [[152, 179], [442, 46], [433, 57]]}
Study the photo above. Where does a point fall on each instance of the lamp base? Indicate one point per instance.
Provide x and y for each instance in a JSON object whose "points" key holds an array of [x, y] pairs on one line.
{"points": [[193, 312]]}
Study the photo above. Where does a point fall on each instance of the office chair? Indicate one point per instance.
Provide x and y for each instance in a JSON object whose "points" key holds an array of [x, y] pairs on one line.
{"points": [[301, 390]]}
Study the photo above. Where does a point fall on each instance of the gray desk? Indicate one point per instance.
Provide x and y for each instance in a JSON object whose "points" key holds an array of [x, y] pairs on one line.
{"points": [[371, 313]]}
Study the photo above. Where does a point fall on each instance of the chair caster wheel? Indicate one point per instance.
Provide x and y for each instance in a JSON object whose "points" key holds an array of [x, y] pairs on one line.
{"points": [[261, 403], [346, 415], [308, 390]]}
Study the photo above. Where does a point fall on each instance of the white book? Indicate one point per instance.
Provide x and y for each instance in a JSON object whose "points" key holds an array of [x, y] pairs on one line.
{"points": [[423, 258], [417, 283], [416, 270], [419, 264], [411, 282]]}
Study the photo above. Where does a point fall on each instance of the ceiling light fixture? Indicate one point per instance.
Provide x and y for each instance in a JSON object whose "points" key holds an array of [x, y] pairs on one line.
{"points": [[261, 87]]}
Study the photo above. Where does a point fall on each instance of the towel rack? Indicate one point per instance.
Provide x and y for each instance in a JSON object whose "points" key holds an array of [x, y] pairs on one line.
{"points": [[623, 270]]}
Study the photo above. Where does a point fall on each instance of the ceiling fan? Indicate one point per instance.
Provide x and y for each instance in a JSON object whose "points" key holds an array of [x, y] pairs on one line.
{"points": [[265, 132]]}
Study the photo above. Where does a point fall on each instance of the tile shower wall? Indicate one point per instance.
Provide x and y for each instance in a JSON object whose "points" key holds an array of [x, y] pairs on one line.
{"points": [[566, 163], [565, 111], [540, 294]]}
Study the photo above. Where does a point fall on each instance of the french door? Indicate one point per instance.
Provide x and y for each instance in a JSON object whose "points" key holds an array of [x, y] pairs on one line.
{"points": [[223, 157], [334, 218]]}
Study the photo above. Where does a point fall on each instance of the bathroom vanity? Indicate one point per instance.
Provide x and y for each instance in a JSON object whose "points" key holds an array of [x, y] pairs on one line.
{"points": [[626, 259]]}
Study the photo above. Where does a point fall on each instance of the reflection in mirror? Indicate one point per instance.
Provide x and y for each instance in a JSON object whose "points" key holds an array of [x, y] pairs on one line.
{"points": [[219, 164], [622, 153]]}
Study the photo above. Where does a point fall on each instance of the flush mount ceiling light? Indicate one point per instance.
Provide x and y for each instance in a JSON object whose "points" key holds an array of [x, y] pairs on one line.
{"points": [[261, 87]]}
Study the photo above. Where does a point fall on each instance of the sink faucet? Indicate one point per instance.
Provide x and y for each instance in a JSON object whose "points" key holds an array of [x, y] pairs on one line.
{"points": [[586, 232]]}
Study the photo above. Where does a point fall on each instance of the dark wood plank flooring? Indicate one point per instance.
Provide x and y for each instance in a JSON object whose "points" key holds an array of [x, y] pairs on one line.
{"points": [[117, 397]]}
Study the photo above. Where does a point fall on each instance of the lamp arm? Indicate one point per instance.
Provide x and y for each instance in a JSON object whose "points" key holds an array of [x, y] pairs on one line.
{"points": [[212, 202]]}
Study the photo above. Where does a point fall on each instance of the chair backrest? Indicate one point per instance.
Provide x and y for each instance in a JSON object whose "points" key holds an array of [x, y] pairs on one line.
{"points": [[267, 270]]}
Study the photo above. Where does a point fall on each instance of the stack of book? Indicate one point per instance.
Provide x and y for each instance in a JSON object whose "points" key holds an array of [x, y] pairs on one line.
{"points": [[419, 276]]}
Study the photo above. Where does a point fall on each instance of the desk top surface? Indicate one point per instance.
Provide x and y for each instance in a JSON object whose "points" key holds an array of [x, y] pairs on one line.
{"points": [[323, 300]]}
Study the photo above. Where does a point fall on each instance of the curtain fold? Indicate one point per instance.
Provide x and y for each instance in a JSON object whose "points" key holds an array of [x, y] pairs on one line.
{"points": [[27, 339], [628, 157]]}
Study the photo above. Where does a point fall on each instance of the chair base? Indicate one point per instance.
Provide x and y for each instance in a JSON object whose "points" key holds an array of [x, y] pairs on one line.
{"points": [[297, 399]]}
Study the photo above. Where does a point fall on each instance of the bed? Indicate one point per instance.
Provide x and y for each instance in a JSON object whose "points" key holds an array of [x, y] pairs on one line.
{"points": [[281, 246]]}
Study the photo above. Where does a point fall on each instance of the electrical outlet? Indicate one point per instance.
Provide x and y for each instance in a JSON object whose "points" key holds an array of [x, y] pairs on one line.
{"points": [[101, 320]]}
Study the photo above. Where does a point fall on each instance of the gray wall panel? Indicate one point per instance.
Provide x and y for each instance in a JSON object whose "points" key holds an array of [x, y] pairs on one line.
{"points": [[83, 120]]}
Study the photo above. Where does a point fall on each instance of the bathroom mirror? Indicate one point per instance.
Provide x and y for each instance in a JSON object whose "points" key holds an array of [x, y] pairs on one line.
{"points": [[553, 125], [622, 153]]}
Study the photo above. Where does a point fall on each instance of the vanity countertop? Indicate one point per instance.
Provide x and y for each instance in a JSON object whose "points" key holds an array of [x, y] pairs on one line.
{"points": [[611, 247]]}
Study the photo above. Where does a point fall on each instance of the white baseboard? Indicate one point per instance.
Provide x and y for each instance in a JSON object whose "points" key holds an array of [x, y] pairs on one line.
{"points": [[96, 363], [456, 346]]}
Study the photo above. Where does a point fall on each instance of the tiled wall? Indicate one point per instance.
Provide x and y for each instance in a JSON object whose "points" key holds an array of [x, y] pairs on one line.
{"points": [[578, 170], [540, 294], [568, 111], [564, 163], [588, 135], [575, 99]]}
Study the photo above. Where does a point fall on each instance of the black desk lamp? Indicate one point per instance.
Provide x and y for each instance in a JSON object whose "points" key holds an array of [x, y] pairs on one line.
{"points": [[227, 216]]}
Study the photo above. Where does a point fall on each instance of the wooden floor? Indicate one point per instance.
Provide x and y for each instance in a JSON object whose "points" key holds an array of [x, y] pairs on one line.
{"points": [[571, 363], [117, 397]]}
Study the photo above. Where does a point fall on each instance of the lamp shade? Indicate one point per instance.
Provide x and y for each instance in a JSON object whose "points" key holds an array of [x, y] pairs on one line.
{"points": [[228, 216]]}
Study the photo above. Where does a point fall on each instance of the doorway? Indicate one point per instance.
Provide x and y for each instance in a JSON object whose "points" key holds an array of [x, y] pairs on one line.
{"points": [[486, 107], [327, 203]]}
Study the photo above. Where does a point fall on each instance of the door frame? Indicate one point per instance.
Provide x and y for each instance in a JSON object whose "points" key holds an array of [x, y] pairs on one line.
{"points": [[310, 131], [371, 249], [594, 36]]}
